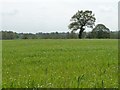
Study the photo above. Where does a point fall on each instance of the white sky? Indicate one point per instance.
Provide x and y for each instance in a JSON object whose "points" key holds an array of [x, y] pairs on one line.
{"points": [[54, 15]]}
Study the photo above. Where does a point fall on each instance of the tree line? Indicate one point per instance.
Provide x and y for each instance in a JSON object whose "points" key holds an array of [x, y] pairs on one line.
{"points": [[9, 35]]}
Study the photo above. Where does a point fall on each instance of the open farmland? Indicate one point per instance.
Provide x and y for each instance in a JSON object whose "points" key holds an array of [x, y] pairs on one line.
{"points": [[60, 63]]}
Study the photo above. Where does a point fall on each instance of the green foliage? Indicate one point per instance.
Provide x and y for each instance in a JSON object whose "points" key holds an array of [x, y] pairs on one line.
{"points": [[0, 64], [56, 35], [81, 20], [60, 63], [100, 31], [8, 35]]}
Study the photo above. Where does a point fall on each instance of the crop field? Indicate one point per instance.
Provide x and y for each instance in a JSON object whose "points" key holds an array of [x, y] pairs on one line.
{"points": [[60, 63]]}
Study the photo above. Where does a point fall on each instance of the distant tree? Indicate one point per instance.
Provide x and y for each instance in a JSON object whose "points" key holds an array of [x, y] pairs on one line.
{"points": [[118, 34], [81, 20], [100, 31], [0, 35], [89, 35], [114, 34], [72, 35], [8, 35], [25, 36]]}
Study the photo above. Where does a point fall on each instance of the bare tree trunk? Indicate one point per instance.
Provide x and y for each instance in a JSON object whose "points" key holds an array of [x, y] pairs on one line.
{"points": [[80, 32]]}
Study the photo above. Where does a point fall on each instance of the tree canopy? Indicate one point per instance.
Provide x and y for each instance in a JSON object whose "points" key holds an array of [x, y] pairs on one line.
{"points": [[81, 20], [101, 31]]}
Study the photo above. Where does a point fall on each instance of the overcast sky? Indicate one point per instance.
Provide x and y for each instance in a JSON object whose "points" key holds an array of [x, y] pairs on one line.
{"points": [[54, 15]]}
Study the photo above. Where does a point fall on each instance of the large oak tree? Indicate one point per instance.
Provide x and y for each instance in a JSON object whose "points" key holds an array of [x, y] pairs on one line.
{"points": [[81, 20]]}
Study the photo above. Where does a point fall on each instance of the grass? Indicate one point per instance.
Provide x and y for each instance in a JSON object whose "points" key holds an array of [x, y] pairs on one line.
{"points": [[0, 64], [60, 63]]}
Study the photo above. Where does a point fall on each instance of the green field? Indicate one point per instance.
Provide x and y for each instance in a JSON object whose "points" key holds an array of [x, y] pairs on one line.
{"points": [[0, 64], [60, 63]]}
